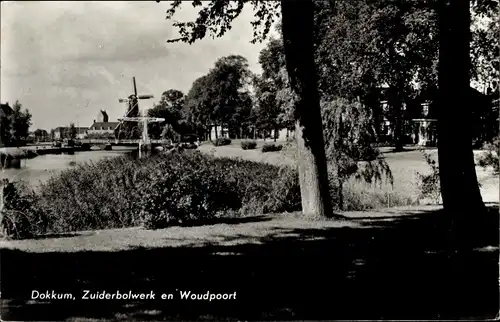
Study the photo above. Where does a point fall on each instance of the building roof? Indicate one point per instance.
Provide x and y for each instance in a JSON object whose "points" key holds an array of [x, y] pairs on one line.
{"points": [[106, 125]]}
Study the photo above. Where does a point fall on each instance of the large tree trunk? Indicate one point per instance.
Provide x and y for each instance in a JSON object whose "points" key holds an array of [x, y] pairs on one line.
{"points": [[397, 119], [395, 103], [297, 28], [459, 187], [216, 134]]}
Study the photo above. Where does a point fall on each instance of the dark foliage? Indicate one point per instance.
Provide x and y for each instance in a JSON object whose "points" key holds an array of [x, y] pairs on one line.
{"points": [[490, 156], [222, 141], [428, 183], [18, 211], [248, 144], [271, 148]]}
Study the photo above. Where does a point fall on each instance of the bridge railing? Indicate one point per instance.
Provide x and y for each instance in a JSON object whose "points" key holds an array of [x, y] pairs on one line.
{"points": [[122, 141]]}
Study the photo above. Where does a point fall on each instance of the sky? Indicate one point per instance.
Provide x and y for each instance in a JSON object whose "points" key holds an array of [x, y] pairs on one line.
{"points": [[57, 56]]}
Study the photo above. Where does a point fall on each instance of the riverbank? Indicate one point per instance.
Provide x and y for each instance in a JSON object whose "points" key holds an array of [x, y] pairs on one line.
{"points": [[11, 157], [31, 151], [18, 153]]}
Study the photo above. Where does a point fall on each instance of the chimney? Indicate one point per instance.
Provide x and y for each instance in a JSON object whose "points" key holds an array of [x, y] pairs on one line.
{"points": [[105, 117], [94, 121]]}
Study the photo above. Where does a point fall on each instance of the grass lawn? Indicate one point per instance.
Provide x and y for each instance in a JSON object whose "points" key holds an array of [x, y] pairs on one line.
{"points": [[289, 268], [234, 150], [404, 166]]}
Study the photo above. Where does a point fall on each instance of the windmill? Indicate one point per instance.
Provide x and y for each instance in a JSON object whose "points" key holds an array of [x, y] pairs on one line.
{"points": [[144, 142]]}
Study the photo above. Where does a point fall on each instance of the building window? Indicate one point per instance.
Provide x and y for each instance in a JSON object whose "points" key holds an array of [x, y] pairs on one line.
{"points": [[425, 109]]}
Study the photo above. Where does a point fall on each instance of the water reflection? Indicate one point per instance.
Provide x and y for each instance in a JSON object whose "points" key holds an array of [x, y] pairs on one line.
{"points": [[41, 168]]}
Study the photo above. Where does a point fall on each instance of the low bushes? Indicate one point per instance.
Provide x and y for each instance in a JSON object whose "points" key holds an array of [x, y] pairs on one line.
{"points": [[222, 141], [490, 156], [248, 144], [428, 183], [19, 216], [271, 147], [162, 190], [359, 196]]}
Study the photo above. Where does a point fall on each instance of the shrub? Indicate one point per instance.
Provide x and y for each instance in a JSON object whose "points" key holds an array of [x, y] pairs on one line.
{"points": [[222, 141], [285, 194], [19, 216], [94, 195], [188, 145], [157, 191], [271, 147], [248, 144], [358, 197], [490, 156], [184, 192], [428, 184]]}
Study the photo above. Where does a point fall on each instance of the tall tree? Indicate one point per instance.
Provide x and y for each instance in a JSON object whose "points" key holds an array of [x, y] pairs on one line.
{"points": [[363, 46], [240, 119], [228, 81], [52, 134], [267, 110], [197, 108], [297, 29], [72, 131], [169, 107], [41, 135], [349, 134], [221, 98], [20, 123], [459, 186], [273, 86], [299, 58], [5, 125]]}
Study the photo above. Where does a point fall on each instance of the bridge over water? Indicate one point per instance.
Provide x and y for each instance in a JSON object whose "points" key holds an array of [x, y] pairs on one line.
{"points": [[121, 142]]}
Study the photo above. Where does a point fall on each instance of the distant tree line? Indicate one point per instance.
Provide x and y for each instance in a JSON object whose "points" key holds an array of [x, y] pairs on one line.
{"points": [[14, 125]]}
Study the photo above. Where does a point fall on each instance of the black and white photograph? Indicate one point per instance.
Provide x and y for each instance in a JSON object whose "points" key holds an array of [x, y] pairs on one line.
{"points": [[249, 160]]}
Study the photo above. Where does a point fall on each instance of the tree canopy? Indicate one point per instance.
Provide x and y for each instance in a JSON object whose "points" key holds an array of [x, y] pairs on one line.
{"points": [[221, 96], [15, 125]]}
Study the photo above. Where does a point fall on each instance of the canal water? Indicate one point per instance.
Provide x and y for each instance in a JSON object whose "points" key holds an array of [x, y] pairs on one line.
{"points": [[42, 167]]}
